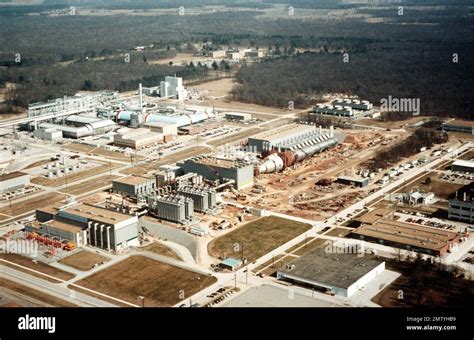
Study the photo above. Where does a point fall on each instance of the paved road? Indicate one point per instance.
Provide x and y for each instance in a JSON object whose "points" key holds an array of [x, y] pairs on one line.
{"points": [[52, 289]]}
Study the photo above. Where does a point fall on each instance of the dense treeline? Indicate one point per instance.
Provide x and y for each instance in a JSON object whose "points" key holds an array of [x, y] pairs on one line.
{"points": [[423, 137], [385, 59], [39, 83], [397, 70]]}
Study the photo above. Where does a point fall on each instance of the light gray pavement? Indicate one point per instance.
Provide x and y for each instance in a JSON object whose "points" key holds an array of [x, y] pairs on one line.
{"points": [[52, 289]]}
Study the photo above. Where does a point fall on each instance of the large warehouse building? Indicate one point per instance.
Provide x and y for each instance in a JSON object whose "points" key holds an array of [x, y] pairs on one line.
{"points": [[461, 206], [281, 137], [133, 186], [13, 181], [431, 241], [137, 138], [463, 166], [213, 169], [88, 224], [341, 273], [464, 126]]}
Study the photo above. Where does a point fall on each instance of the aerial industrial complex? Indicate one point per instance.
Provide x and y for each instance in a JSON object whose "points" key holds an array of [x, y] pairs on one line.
{"points": [[238, 198]]}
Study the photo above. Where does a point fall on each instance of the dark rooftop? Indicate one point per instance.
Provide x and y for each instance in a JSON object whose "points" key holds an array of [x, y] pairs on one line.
{"points": [[466, 193]]}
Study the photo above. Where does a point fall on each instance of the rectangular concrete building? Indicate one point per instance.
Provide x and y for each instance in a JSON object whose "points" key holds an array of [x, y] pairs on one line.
{"points": [[88, 224], [463, 166], [357, 182], [238, 116], [461, 206], [464, 126], [284, 135], [13, 181], [341, 273], [137, 138], [134, 186], [431, 241], [213, 169]]}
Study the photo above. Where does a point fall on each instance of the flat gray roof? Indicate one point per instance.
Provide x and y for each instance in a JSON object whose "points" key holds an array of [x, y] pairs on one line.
{"points": [[332, 269]]}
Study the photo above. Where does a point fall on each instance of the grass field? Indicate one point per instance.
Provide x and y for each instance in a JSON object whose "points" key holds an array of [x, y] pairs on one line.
{"points": [[161, 284], [46, 299], [161, 249], [38, 266], [83, 260], [257, 238]]}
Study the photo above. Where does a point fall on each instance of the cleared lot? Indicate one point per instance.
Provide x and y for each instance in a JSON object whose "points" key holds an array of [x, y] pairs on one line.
{"points": [[83, 260], [161, 284], [255, 239]]}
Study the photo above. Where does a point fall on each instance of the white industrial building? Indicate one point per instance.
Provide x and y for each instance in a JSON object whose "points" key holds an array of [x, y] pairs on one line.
{"points": [[13, 181], [88, 224], [238, 116], [5, 156], [48, 134], [168, 130], [137, 138], [172, 87], [342, 273]]}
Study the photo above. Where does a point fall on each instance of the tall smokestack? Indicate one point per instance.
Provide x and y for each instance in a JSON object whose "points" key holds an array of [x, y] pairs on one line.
{"points": [[140, 91]]}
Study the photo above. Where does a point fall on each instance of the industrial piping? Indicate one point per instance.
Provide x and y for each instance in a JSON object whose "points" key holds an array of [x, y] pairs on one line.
{"points": [[276, 162]]}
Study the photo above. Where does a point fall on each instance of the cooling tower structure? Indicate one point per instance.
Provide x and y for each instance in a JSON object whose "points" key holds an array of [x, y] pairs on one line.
{"points": [[288, 150]]}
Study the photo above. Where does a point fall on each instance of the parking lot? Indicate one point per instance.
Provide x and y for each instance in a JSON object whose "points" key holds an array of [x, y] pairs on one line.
{"points": [[418, 218]]}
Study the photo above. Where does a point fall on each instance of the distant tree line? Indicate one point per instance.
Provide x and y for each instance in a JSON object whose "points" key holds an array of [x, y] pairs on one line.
{"points": [[444, 88]]}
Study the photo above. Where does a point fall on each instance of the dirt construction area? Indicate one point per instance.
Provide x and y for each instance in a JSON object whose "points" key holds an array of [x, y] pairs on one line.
{"points": [[255, 239], [159, 283], [83, 260], [297, 191]]}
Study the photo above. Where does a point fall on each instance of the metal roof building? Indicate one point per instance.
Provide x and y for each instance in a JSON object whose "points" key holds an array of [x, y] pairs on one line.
{"points": [[341, 273]]}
